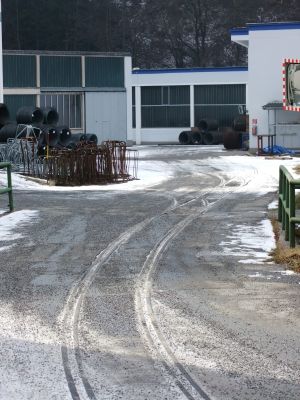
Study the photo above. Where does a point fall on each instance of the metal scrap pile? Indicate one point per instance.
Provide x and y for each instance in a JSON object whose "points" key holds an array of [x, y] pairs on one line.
{"points": [[92, 165]]}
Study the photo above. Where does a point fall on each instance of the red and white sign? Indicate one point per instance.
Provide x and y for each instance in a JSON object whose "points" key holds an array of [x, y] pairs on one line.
{"points": [[285, 101]]}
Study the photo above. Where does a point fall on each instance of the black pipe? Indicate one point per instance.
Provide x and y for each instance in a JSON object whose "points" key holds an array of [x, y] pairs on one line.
{"points": [[13, 131], [50, 136], [65, 135], [212, 137], [4, 114], [185, 137], [206, 124], [90, 138], [30, 115], [197, 137], [77, 137], [51, 116], [231, 139]]}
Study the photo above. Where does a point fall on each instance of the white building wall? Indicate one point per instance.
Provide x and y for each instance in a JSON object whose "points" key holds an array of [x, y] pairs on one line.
{"points": [[176, 78], [267, 49], [128, 87], [168, 77]]}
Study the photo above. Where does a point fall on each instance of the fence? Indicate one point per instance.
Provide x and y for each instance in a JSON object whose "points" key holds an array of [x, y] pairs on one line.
{"points": [[8, 189], [287, 205]]}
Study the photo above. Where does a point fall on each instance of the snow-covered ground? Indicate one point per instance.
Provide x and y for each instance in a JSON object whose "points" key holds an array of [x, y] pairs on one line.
{"points": [[10, 225], [152, 172], [160, 163], [252, 243]]}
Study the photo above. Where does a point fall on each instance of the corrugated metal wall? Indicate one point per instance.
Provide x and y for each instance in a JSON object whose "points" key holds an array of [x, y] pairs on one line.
{"points": [[61, 71], [14, 102], [219, 102], [106, 115], [165, 106], [19, 71], [104, 72]]}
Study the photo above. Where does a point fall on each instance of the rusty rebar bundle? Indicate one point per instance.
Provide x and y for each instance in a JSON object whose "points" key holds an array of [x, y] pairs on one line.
{"points": [[89, 164]]}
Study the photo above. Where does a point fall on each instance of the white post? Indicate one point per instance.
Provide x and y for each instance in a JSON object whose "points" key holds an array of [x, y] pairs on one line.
{"points": [[1, 57], [83, 71], [192, 106], [128, 87], [138, 115]]}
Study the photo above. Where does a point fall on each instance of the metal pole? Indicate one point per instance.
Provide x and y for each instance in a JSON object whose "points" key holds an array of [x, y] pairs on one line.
{"points": [[9, 185], [1, 57]]}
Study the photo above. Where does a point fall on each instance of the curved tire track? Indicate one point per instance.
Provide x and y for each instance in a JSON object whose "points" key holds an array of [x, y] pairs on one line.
{"points": [[78, 383], [148, 326]]}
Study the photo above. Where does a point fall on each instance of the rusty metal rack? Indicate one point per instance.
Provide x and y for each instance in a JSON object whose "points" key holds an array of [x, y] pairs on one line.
{"points": [[86, 164], [90, 164]]}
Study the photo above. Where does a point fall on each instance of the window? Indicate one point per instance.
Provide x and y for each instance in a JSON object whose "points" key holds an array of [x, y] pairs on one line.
{"points": [[220, 102], [164, 106], [68, 105]]}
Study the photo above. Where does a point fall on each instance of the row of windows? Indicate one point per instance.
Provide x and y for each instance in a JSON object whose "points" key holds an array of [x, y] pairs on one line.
{"points": [[179, 116], [63, 71], [180, 95], [169, 106]]}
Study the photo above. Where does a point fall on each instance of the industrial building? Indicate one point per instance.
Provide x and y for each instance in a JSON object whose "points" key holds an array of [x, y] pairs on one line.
{"points": [[100, 93], [168, 101], [268, 45], [90, 91]]}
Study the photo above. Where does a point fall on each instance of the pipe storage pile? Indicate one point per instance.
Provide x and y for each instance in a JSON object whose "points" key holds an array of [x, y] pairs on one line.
{"points": [[208, 132], [40, 124]]}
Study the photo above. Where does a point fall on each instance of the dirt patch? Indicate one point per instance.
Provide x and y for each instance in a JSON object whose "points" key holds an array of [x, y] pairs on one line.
{"points": [[283, 254]]}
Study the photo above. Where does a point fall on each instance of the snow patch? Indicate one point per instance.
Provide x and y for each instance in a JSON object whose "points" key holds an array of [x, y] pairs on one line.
{"points": [[253, 242], [273, 205], [287, 272], [11, 222]]}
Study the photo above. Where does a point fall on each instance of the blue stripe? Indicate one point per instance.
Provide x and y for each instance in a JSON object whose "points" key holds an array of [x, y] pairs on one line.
{"points": [[188, 70], [239, 31], [274, 26], [269, 26]]}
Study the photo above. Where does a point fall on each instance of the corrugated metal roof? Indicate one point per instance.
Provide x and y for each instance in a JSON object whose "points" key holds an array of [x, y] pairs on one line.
{"points": [[273, 105]]}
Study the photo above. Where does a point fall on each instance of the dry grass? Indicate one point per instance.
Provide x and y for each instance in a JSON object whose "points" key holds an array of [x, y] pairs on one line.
{"points": [[283, 254]]}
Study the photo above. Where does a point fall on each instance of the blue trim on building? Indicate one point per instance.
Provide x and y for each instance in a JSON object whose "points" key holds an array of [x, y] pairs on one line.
{"points": [[273, 26], [268, 26], [188, 70], [239, 31]]}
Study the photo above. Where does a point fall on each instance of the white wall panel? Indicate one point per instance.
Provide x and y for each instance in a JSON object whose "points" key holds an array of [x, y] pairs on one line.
{"points": [[267, 49], [106, 115]]}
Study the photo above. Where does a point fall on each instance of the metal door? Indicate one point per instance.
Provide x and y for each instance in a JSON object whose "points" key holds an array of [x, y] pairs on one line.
{"points": [[106, 115]]}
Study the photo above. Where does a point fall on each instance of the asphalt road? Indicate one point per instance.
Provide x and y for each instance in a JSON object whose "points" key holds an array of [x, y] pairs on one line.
{"points": [[129, 295]]}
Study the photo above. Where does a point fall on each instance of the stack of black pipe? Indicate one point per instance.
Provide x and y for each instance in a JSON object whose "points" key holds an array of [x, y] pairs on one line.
{"points": [[40, 123], [189, 137], [237, 136], [210, 131], [207, 132]]}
